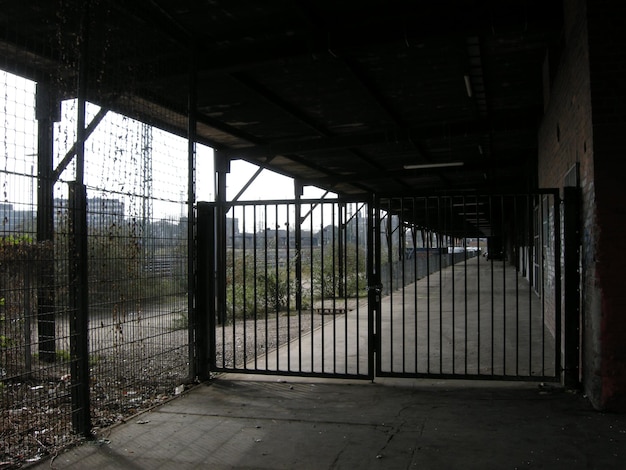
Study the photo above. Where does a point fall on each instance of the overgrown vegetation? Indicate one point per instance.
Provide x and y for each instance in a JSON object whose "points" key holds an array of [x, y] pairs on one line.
{"points": [[18, 267], [127, 266], [256, 288]]}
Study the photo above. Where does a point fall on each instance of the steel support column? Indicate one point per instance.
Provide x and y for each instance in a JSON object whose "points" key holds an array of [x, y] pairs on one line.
{"points": [[79, 307], [47, 113], [195, 361], [222, 168], [205, 291]]}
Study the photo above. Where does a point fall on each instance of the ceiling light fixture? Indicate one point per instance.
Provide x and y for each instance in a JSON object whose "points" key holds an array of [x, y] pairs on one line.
{"points": [[468, 86], [432, 165]]}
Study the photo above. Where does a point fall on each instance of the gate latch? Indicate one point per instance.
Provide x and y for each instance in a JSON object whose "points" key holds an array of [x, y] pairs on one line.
{"points": [[376, 287]]}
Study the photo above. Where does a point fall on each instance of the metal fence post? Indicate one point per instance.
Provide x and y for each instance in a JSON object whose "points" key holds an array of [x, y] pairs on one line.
{"points": [[191, 199], [222, 168], [298, 188], [47, 112], [205, 294], [79, 308]]}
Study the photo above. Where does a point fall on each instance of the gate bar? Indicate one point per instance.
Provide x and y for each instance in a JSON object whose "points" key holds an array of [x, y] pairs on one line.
{"points": [[204, 324], [192, 117]]}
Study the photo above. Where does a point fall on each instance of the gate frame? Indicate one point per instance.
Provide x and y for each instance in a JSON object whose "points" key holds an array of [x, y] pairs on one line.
{"points": [[557, 204], [211, 284], [210, 279]]}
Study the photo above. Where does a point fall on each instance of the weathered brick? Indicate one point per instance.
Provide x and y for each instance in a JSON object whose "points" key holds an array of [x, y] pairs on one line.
{"points": [[587, 104]]}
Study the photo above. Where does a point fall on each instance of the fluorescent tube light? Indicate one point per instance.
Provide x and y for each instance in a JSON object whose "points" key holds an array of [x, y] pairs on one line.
{"points": [[468, 86], [432, 165]]}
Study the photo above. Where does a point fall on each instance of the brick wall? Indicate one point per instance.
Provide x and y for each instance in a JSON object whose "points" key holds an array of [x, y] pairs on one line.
{"points": [[607, 45], [585, 124], [565, 140]]}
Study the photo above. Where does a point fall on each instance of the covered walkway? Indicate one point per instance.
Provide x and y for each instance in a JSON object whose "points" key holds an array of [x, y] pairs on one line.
{"points": [[270, 423], [245, 421]]}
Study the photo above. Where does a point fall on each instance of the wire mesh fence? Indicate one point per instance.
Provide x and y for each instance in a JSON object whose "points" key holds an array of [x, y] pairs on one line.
{"points": [[63, 134]]}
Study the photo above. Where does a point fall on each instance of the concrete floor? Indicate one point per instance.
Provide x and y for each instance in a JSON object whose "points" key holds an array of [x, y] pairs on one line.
{"points": [[271, 422], [239, 422]]}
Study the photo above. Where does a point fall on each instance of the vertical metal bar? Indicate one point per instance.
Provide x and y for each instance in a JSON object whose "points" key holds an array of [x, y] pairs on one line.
{"points": [[529, 241], [534, 207], [82, 98], [357, 262], [465, 276], [212, 283], [27, 319], [298, 190], [491, 289], [276, 300], [544, 230], [255, 247], [428, 247], [244, 284], [204, 327], [388, 239], [79, 308], [287, 286], [343, 271], [440, 235], [222, 167], [322, 287], [515, 230], [266, 284], [478, 312], [46, 113], [415, 286], [401, 250], [334, 253], [340, 249], [233, 268], [193, 334], [373, 282], [452, 257], [504, 256], [312, 283]]}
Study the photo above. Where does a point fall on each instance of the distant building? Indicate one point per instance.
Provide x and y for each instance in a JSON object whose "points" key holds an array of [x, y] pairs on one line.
{"points": [[101, 212]]}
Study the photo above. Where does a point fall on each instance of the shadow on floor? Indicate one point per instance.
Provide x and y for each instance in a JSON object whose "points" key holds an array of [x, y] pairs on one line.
{"points": [[264, 422]]}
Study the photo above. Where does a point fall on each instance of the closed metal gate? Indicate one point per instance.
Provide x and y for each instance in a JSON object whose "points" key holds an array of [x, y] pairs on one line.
{"points": [[290, 284], [469, 287], [443, 286]]}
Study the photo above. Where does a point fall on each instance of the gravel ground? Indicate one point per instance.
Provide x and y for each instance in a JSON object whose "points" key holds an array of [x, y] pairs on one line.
{"points": [[137, 363], [238, 345]]}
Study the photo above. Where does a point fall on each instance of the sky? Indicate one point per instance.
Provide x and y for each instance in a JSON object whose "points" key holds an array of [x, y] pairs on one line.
{"points": [[113, 159], [268, 185]]}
